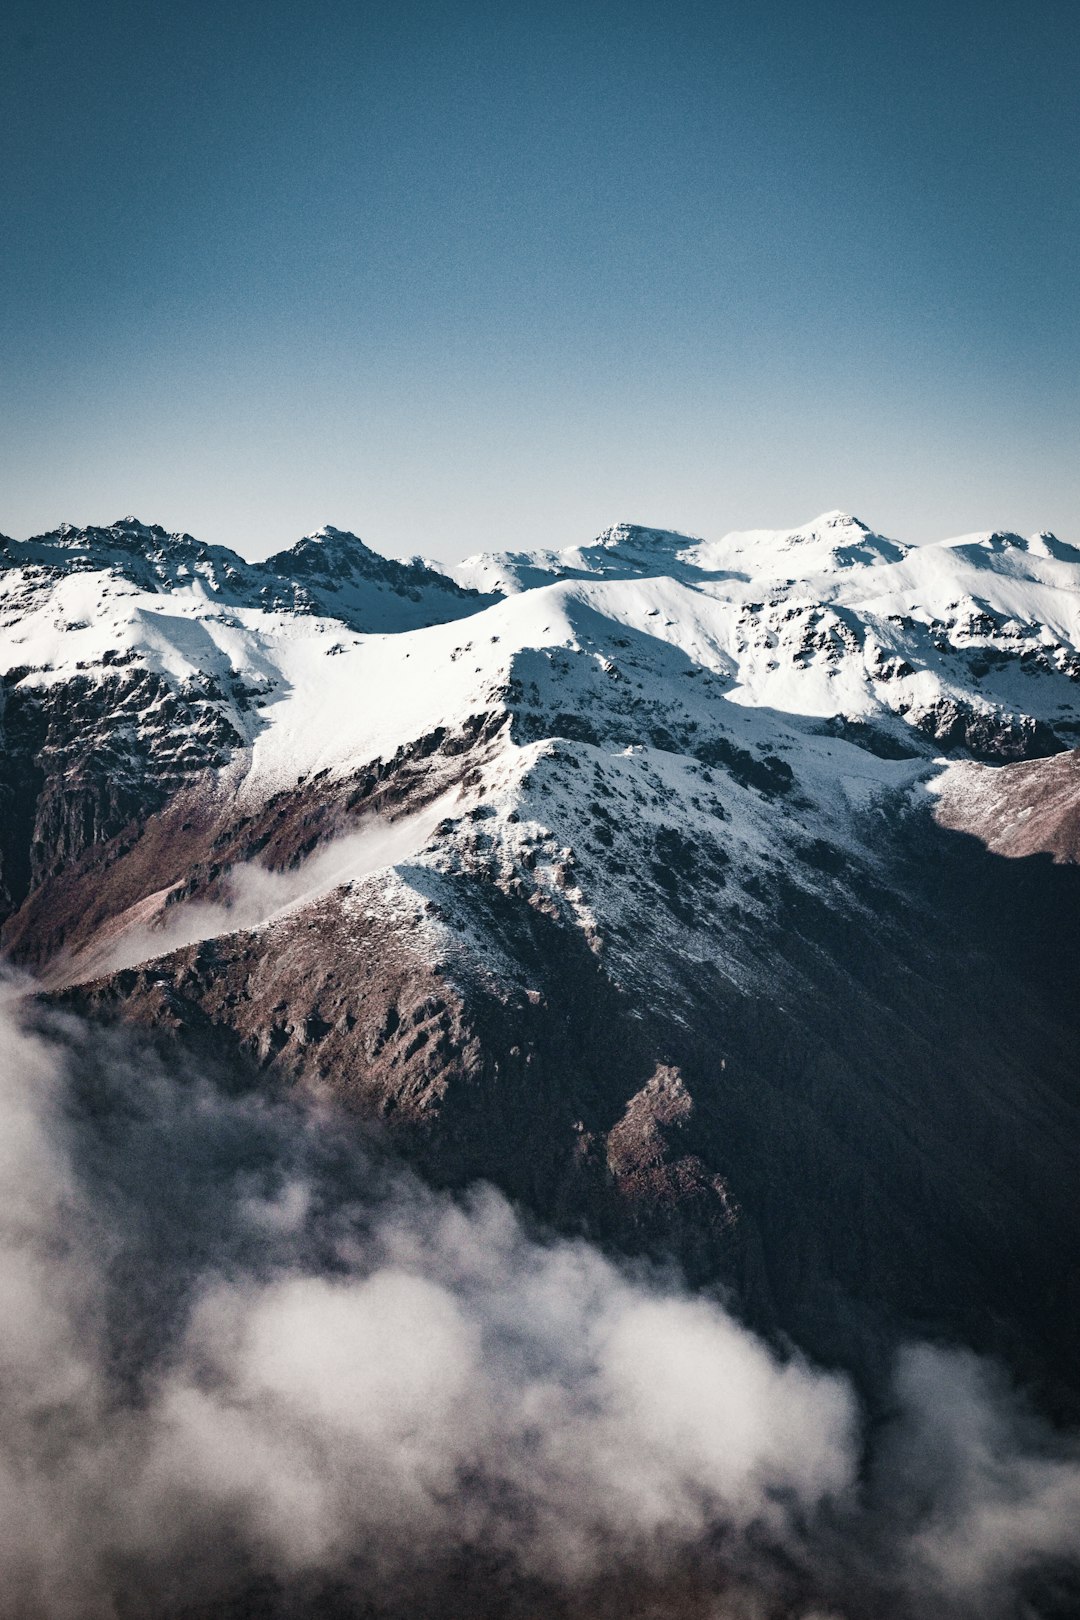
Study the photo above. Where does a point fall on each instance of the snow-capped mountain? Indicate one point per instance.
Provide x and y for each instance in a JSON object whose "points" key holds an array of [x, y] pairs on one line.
{"points": [[715, 895], [330, 572], [836, 621]]}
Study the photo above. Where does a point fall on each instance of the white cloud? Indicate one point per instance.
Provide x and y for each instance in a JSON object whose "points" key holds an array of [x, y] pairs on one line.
{"points": [[235, 1344]]}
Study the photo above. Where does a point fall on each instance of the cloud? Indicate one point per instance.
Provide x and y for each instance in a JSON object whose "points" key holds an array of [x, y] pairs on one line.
{"points": [[248, 1359], [253, 895]]}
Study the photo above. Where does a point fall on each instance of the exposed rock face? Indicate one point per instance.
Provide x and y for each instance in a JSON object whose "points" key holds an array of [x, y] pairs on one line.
{"points": [[86, 757], [703, 950]]}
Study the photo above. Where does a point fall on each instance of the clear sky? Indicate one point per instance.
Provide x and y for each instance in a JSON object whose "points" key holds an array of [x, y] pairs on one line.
{"points": [[473, 274]]}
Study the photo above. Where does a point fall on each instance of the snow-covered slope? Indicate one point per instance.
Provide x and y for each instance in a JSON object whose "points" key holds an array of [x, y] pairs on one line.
{"points": [[134, 661], [971, 641]]}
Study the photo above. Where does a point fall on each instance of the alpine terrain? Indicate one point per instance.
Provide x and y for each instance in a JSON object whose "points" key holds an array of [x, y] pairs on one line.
{"points": [[717, 900]]}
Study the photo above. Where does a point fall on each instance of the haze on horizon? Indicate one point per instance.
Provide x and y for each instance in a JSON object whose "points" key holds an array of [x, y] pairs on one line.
{"points": [[463, 276]]}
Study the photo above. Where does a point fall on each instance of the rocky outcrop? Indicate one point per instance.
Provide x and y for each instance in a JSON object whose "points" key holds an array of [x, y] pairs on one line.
{"points": [[81, 760]]}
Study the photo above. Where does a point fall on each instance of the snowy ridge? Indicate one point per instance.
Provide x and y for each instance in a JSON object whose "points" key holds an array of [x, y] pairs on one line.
{"points": [[661, 704], [328, 572]]}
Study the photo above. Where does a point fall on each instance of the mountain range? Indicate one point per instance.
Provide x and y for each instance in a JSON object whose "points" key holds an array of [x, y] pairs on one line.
{"points": [[717, 899]]}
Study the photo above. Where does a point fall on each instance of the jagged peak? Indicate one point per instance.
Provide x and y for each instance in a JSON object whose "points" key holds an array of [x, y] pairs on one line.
{"points": [[339, 553], [335, 542], [125, 527], [330, 531]]}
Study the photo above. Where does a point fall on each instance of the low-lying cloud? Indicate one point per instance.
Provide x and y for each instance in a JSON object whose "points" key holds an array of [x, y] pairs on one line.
{"points": [[251, 1367], [251, 895]]}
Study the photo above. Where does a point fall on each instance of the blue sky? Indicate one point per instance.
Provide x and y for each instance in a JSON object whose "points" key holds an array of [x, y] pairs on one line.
{"points": [[467, 275]]}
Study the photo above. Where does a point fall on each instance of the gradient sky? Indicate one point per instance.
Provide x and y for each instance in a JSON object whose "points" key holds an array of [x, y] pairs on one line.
{"points": [[469, 275]]}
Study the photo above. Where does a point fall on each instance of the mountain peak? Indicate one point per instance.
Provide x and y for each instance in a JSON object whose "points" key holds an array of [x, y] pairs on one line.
{"points": [[132, 525], [640, 535], [832, 541], [1047, 544], [124, 528], [330, 542], [330, 531], [837, 519]]}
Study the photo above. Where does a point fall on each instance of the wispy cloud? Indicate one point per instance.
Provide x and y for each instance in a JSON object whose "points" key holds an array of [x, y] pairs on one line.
{"points": [[252, 894]]}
